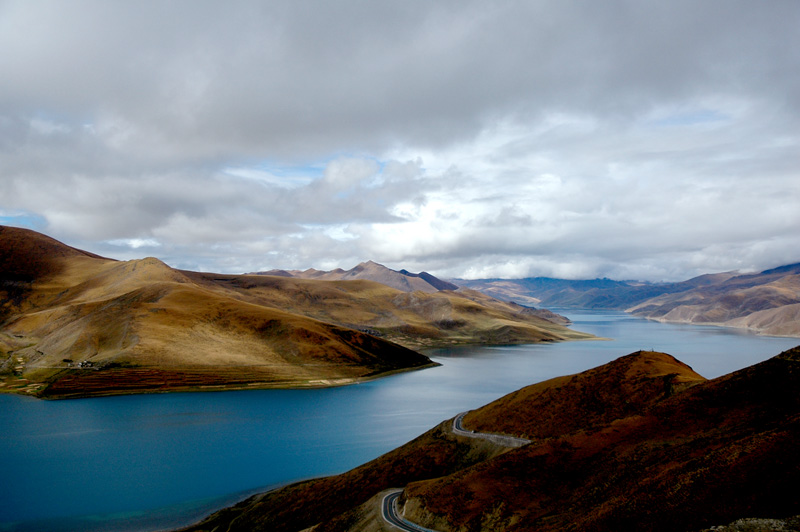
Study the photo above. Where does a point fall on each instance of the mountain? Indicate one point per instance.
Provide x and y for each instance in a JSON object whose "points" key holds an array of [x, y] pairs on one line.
{"points": [[767, 302], [371, 271], [406, 281], [415, 320], [586, 294], [641, 443], [76, 324]]}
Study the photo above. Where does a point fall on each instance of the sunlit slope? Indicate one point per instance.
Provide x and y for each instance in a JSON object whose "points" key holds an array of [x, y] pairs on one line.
{"points": [[641, 443], [83, 325], [413, 319]]}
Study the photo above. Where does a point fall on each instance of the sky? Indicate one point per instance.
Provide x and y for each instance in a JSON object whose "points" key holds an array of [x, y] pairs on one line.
{"points": [[635, 139]]}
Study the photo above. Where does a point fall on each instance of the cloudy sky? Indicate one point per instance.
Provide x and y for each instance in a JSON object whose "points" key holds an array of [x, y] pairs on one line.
{"points": [[625, 139]]}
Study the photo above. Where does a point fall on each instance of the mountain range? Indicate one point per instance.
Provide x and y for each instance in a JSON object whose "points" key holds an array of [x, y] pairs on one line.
{"points": [[641, 443], [372, 271], [73, 323], [767, 302]]}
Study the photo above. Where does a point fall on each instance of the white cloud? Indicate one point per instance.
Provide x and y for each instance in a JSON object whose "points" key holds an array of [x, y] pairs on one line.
{"points": [[135, 243], [628, 139], [269, 178]]}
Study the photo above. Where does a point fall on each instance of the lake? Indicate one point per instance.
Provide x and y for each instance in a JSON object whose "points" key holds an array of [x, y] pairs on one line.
{"points": [[154, 462]]}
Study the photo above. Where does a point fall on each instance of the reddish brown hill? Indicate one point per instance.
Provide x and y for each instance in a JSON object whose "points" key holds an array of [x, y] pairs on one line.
{"points": [[589, 399], [718, 451], [642, 443]]}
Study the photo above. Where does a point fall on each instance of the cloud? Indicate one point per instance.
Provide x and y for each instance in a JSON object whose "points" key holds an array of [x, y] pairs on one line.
{"points": [[629, 139]]}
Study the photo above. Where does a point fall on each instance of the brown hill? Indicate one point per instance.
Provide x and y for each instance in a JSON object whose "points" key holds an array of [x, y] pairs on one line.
{"points": [[27, 256], [372, 271], [413, 319], [74, 324], [642, 443], [766, 302], [84, 325]]}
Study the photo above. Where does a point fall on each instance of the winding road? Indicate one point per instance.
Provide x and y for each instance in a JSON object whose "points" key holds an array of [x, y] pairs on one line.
{"points": [[505, 441], [389, 504], [390, 515]]}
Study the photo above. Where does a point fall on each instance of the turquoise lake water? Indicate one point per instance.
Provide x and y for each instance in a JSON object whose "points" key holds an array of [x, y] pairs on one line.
{"points": [[154, 462]]}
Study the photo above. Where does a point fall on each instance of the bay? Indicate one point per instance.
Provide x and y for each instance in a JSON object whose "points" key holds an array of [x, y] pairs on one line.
{"points": [[154, 462]]}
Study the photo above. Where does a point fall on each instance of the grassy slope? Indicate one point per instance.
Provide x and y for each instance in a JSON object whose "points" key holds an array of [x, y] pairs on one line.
{"points": [[642, 443]]}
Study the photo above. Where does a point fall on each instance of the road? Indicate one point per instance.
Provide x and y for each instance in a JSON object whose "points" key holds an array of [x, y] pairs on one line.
{"points": [[391, 516], [389, 505], [505, 441]]}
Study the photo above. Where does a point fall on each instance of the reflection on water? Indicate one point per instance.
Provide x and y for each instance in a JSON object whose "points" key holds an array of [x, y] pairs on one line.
{"points": [[150, 462]]}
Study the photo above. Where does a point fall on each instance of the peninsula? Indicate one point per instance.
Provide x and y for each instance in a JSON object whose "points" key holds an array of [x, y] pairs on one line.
{"points": [[74, 324]]}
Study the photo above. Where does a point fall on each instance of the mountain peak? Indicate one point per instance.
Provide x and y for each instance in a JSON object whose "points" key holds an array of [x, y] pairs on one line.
{"points": [[373, 271], [28, 255]]}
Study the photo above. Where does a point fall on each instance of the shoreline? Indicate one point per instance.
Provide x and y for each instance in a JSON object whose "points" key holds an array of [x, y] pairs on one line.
{"points": [[286, 385], [722, 325], [321, 382]]}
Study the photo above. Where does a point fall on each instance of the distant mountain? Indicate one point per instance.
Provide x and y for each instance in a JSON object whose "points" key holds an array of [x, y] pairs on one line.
{"points": [[372, 271], [766, 302], [587, 294], [641, 443], [76, 324], [411, 282]]}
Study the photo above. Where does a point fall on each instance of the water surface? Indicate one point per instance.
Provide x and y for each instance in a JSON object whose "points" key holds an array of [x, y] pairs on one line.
{"points": [[150, 462]]}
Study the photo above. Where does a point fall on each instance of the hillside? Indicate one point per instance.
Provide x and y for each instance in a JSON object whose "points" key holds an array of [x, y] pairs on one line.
{"points": [[402, 280], [406, 281], [641, 443], [413, 319], [75, 324], [767, 302]]}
